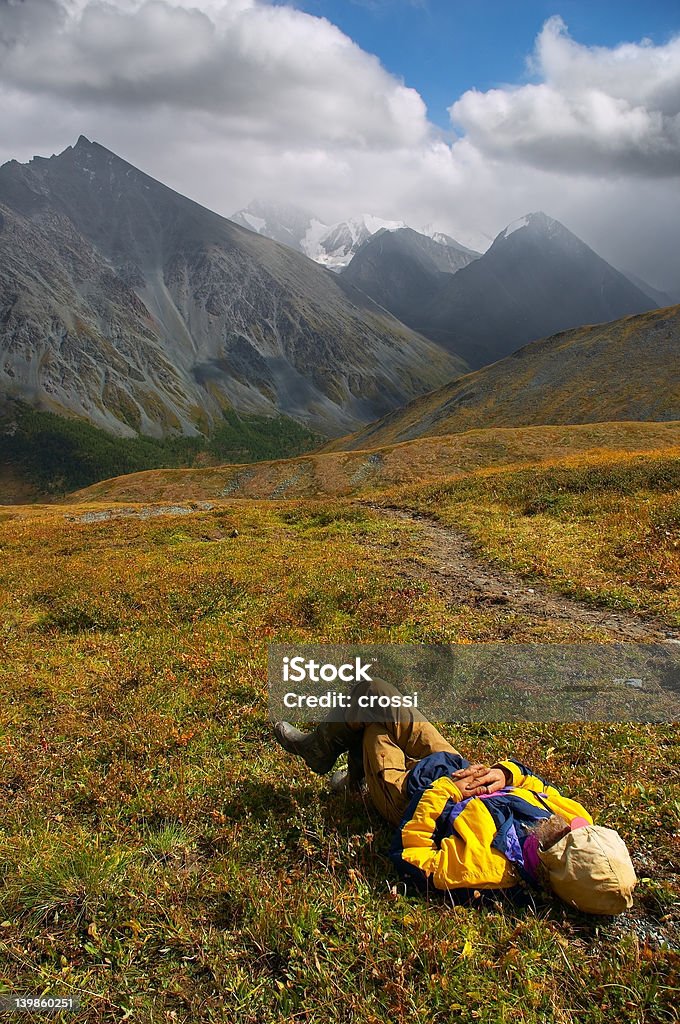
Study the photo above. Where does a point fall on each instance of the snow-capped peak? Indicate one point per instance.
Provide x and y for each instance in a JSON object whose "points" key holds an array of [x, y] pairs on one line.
{"points": [[332, 245], [515, 226], [538, 222], [375, 224]]}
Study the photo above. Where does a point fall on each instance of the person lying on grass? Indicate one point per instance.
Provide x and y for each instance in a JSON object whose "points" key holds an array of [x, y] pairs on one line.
{"points": [[463, 826]]}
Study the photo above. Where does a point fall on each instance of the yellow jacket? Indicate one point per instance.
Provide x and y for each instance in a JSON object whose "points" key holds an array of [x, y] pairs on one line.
{"points": [[451, 842]]}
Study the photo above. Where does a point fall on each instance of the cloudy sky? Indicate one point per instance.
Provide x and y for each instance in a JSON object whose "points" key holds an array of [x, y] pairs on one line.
{"points": [[461, 114]]}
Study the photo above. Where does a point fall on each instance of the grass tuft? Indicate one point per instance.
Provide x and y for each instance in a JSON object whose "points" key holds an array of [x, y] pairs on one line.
{"points": [[64, 885]]}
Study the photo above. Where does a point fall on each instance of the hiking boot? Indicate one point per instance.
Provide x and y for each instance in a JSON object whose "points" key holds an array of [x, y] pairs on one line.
{"points": [[342, 782], [319, 749], [351, 778], [339, 781]]}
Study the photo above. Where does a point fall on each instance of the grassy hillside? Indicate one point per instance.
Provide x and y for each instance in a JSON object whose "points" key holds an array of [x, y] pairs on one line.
{"points": [[603, 527], [625, 370], [362, 472], [15, 489], [42, 453], [162, 857]]}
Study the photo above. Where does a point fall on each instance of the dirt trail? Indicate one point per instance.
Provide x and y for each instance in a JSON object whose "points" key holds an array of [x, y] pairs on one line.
{"points": [[452, 568]]}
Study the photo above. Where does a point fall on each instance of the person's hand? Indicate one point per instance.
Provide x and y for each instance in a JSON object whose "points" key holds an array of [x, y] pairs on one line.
{"points": [[478, 779]]}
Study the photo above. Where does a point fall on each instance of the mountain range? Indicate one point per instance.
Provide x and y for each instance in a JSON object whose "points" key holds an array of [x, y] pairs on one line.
{"points": [[331, 245], [127, 304], [537, 278], [335, 245], [625, 370], [123, 302]]}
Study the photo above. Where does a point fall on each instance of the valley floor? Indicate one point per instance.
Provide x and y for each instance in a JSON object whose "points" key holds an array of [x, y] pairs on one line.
{"points": [[165, 859]]}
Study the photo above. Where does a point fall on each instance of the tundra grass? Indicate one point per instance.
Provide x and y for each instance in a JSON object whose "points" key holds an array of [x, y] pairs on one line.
{"points": [[336, 473], [164, 860], [603, 528]]}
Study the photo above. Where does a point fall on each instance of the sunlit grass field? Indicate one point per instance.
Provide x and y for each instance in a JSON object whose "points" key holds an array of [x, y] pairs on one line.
{"points": [[601, 527], [165, 860]]}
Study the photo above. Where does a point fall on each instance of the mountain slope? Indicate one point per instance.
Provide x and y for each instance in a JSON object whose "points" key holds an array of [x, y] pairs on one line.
{"points": [[536, 279], [126, 303], [661, 298], [345, 473], [404, 270], [625, 370]]}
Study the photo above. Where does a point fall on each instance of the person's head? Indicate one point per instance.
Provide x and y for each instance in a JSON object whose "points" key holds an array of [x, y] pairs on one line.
{"points": [[587, 866]]}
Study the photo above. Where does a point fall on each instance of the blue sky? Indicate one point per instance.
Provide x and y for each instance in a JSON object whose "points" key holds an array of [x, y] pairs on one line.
{"points": [[443, 47]]}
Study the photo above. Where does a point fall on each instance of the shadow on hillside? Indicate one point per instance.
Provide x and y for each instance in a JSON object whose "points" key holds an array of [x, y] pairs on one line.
{"points": [[269, 803]]}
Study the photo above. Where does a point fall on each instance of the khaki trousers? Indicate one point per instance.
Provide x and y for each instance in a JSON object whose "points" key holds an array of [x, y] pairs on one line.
{"points": [[392, 743]]}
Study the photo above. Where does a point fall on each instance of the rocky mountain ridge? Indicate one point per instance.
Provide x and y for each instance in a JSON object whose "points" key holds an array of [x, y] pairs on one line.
{"points": [[535, 279], [332, 245], [129, 304]]}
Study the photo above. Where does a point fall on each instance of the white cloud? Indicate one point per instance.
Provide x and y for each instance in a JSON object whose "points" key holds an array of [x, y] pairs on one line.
{"points": [[226, 100], [264, 71], [597, 110]]}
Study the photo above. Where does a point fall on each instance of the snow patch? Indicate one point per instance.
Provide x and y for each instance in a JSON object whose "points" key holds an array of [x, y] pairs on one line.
{"points": [[333, 261], [515, 226], [311, 243], [256, 223]]}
